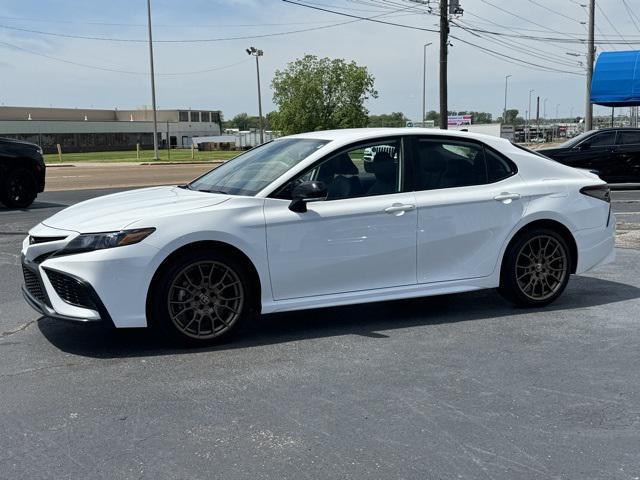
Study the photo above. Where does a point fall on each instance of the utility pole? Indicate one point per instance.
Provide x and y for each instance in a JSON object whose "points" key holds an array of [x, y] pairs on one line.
{"points": [[258, 53], [506, 84], [153, 86], [444, 42], [424, 83], [588, 111]]}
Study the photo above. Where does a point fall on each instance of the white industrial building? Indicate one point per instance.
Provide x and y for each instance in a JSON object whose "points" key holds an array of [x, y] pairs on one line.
{"points": [[79, 129]]}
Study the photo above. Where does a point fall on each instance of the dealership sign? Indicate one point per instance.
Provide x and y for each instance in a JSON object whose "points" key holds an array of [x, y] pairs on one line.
{"points": [[455, 120]]}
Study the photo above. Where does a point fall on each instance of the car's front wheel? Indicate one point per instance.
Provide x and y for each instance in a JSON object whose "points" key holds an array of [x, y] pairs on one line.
{"points": [[536, 268], [202, 297], [18, 189]]}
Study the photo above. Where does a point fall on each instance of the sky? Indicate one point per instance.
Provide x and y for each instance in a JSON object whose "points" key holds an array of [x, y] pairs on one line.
{"points": [[54, 70]]}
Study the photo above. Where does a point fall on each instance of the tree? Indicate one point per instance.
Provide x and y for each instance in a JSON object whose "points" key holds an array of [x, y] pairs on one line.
{"points": [[393, 119], [511, 117], [243, 121], [320, 93], [433, 115]]}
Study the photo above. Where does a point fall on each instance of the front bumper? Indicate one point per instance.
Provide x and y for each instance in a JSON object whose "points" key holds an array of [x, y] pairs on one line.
{"points": [[42, 299], [108, 286]]}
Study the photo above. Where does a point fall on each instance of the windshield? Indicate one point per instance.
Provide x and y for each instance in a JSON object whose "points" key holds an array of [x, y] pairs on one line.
{"points": [[572, 142], [252, 171]]}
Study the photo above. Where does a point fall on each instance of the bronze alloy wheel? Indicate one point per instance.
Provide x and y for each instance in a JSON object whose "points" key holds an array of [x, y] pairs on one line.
{"points": [[541, 267], [205, 300]]}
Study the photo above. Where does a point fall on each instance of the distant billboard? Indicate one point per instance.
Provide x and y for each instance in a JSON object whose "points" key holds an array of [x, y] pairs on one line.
{"points": [[457, 120]]}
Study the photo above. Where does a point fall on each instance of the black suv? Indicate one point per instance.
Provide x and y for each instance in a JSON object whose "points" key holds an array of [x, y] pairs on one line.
{"points": [[22, 172], [613, 152]]}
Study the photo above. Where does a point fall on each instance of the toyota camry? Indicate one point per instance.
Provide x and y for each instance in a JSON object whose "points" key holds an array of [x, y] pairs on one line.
{"points": [[322, 219]]}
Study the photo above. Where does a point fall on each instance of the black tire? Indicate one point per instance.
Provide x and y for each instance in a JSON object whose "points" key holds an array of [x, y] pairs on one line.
{"points": [[19, 188], [536, 268], [175, 288]]}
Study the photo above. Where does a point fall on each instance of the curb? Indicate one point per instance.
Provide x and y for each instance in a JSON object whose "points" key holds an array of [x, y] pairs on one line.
{"points": [[158, 164], [135, 164]]}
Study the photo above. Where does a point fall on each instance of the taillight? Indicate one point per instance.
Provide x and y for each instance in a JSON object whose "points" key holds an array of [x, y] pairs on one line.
{"points": [[601, 192]]}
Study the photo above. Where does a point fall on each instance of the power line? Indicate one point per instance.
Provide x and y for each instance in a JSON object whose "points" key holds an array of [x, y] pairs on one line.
{"points": [[521, 47], [518, 33], [556, 12], [371, 19], [485, 49], [210, 40], [632, 14], [522, 18], [144, 25], [610, 23], [118, 70]]}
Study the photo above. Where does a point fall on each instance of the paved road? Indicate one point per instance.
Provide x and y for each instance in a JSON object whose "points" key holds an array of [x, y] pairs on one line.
{"points": [[461, 386], [112, 175]]}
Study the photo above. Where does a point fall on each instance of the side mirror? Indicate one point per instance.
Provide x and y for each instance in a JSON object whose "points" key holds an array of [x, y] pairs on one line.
{"points": [[307, 192]]}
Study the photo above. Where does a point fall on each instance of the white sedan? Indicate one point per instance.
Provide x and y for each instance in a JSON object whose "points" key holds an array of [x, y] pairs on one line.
{"points": [[306, 221]]}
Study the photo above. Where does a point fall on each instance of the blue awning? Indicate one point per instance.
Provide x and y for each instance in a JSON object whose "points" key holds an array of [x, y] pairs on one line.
{"points": [[616, 79]]}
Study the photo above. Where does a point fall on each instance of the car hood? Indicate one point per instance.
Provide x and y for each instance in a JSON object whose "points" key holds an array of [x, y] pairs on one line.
{"points": [[117, 211]]}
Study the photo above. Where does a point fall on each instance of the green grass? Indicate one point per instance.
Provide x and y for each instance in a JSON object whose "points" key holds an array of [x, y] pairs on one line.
{"points": [[179, 155]]}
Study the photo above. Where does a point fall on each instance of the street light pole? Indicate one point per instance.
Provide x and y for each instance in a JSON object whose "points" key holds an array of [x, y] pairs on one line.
{"points": [[529, 115], [258, 53], [544, 114], [506, 83], [153, 86], [424, 83]]}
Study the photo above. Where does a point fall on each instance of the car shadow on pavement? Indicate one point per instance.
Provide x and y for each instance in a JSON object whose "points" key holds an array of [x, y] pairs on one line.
{"points": [[34, 206], [369, 320]]}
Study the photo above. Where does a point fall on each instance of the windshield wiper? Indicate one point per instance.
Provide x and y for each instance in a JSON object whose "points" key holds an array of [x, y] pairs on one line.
{"points": [[213, 191]]}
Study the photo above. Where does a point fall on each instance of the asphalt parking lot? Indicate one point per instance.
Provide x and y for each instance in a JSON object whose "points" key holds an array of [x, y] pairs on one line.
{"points": [[461, 386]]}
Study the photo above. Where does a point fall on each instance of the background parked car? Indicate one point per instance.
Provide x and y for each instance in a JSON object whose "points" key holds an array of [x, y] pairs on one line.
{"points": [[22, 172], [613, 152]]}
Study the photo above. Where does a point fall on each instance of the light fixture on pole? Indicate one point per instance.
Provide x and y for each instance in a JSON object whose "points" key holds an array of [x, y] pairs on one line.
{"points": [[506, 83], [424, 83], [153, 85], [258, 53]]}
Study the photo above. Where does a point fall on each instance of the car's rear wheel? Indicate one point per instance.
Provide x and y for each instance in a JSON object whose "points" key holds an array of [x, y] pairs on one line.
{"points": [[536, 268], [202, 298], [18, 189]]}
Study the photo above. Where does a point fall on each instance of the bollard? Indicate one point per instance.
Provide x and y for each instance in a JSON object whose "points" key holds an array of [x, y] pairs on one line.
{"points": [[59, 152], [138, 151]]}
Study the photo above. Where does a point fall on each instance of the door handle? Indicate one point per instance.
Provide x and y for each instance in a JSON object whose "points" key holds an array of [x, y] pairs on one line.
{"points": [[506, 197], [399, 208]]}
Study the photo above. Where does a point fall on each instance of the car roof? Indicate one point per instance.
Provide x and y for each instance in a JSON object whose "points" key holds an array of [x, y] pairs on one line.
{"points": [[13, 140], [356, 134], [614, 129]]}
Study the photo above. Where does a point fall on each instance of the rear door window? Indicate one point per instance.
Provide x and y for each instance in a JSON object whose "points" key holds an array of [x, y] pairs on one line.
{"points": [[630, 137], [604, 139]]}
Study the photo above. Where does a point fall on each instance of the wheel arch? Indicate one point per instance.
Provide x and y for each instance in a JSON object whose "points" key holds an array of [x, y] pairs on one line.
{"points": [[206, 245], [555, 225]]}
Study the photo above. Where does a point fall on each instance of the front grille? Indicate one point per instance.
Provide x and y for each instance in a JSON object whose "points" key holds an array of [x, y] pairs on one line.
{"points": [[35, 240], [71, 290], [34, 285]]}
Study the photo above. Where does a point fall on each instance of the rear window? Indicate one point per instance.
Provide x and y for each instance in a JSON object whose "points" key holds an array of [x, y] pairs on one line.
{"points": [[528, 150], [629, 137]]}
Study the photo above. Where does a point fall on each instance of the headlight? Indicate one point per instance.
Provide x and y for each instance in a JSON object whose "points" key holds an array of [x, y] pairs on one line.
{"points": [[89, 242]]}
